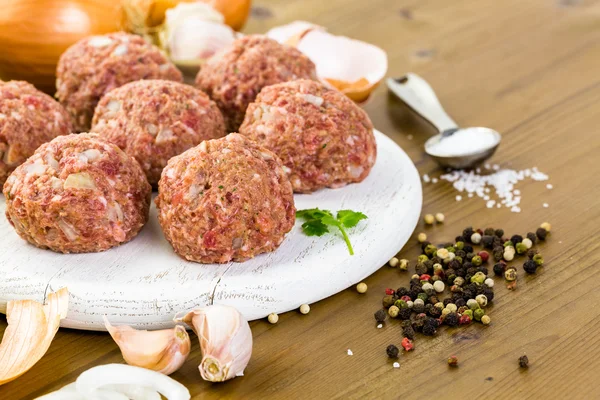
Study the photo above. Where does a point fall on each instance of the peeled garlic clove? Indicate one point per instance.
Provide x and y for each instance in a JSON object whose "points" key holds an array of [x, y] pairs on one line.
{"points": [[225, 341], [110, 375], [31, 328], [163, 351], [292, 33]]}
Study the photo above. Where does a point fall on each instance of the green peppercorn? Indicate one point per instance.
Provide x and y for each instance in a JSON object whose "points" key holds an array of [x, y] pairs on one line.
{"points": [[481, 299], [508, 243], [401, 304], [478, 278], [388, 301], [403, 266], [477, 314], [451, 249], [430, 250], [476, 261], [521, 248], [393, 311], [473, 304], [468, 313], [422, 258], [459, 245], [458, 259], [538, 259], [422, 296]]}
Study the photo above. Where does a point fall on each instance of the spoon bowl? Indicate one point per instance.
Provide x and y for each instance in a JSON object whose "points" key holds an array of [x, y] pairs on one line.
{"points": [[465, 159], [420, 97]]}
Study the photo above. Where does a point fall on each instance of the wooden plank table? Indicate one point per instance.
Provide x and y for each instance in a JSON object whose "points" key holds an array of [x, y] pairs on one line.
{"points": [[528, 69]]}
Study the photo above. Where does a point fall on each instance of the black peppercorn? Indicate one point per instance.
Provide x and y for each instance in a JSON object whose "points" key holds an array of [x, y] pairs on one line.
{"points": [[408, 332], [489, 293], [404, 313], [531, 253], [419, 308], [499, 232], [415, 281], [454, 265], [460, 253], [516, 239], [532, 236], [459, 239], [530, 266], [433, 299], [460, 303], [435, 312], [498, 253], [468, 249], [467, 232], [446, 301], [489, 231], [414, 293], [424, 245], [471, 271], [498, 241], [499, 269], [523, 362], [462, 272], [468, 294], [392, 351], [541, 233], [487, 241], [380, 316], [451, 319], [401, 291], [421, 269], [418, 322], [484, 270], [429, 265], [430, 326], [469, 256], [437, 260]]}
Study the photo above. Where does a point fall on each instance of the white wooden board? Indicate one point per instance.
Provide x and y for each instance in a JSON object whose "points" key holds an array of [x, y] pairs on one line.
{"points": [[144, 283]]}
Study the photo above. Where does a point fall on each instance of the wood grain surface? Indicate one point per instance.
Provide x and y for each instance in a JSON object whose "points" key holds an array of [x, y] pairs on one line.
{"points": [[528, 69]]}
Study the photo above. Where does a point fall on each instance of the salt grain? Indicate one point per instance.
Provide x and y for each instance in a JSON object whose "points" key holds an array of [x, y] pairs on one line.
{"points": [[458, 198], [396, 365], [350, 353], [546, 205], [434, 180], [379, 326], [426, 178], [549, 186], [409, 137]]}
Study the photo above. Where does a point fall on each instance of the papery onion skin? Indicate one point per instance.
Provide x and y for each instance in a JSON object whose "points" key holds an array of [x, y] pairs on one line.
{"points": [[34, 33]]}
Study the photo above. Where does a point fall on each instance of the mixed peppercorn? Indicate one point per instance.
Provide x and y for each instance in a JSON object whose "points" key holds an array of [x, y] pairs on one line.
{"points": [[460, 268]]}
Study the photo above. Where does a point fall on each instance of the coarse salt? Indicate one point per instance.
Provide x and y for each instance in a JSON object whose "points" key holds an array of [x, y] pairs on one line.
{"points": [[546, 205], [549, 186], [463, 142], [396, 365], [350, 353], [426, 178], [499, 184], [434, 180], [379, 326]]}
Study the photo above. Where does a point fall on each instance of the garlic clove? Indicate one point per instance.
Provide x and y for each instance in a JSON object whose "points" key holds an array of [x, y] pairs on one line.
{"points": [[353, 67], [31, 328], [225, 341], [163, 351]]}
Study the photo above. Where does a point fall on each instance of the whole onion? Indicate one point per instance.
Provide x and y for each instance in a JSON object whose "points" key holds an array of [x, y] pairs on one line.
{"points": [[34, 33]]}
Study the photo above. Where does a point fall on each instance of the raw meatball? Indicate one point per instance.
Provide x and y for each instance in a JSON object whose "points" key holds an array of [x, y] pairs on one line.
{"points": [[28, 118], [78, 194], [226, 199], [97, 64], [322, 137], [155, 120], [234, 76]]}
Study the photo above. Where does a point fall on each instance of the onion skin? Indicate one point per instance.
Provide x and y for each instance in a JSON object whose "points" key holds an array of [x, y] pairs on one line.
{"points": [[34, 33]]}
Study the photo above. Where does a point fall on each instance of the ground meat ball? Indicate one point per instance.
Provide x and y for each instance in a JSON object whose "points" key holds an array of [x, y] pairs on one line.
{"points": [[234, 76], [155, 120], [97, 64], [78, 194], [28, 118], [226, 199], [322, 137]]}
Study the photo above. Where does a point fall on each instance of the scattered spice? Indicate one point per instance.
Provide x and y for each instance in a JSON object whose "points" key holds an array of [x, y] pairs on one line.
{"points": [[407, 344], [403, 265], [392, 351], [380, 315], [361, 287], [523, 362], [393, 311], [273, 318], [486, 320], [429, 219], [453, 361], [304, 309], [530, 266]]}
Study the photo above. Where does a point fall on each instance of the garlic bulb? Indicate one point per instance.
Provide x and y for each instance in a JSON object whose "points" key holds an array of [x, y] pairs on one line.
{"points": [[163, 351], [225, 341], [193, 32]]}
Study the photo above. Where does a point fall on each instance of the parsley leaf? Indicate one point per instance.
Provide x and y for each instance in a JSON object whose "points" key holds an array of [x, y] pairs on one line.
{"points": [[317, 222], [350, 218]]}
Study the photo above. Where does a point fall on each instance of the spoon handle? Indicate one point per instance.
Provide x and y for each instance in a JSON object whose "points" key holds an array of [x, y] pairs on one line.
{"points": [[418, 95]]}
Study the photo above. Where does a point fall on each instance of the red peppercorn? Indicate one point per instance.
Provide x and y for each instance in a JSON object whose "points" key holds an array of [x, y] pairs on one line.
{"points": [[425, 277], [407, 344], [479, 231], [484, 255], [406, 298], [464, 320], [389, 291]]}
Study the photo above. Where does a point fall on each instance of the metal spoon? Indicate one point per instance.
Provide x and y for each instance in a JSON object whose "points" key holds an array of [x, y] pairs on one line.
{"points": [[419, 96]]}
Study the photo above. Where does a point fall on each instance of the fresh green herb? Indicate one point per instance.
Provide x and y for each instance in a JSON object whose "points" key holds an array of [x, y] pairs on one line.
{"points": [[325, 145], [220, 186], [318, 221]]}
